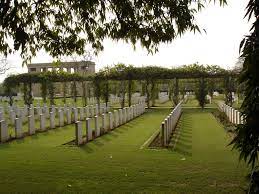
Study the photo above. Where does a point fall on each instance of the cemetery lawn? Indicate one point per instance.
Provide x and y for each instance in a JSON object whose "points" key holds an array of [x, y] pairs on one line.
{"points": [[201, 161]]}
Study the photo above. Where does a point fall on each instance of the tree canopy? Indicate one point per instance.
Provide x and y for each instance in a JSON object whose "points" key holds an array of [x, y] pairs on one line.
{"points": [[66, 27]]}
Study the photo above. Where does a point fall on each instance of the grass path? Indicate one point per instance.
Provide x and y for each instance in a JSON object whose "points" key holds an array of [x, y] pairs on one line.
{"points": [[200, 163]]}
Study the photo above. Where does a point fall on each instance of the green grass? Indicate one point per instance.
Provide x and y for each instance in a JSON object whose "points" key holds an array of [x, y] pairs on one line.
{"points": [[201, 162]]}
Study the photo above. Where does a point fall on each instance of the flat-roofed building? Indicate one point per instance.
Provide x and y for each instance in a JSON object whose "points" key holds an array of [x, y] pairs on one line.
{"points": [[80, 67]]}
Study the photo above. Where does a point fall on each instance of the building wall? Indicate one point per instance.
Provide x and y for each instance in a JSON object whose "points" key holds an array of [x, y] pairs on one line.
{"points": [[80, 67]]}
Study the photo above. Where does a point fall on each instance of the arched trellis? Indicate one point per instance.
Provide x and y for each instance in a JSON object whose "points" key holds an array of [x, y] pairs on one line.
{"points": [[149, 75]]}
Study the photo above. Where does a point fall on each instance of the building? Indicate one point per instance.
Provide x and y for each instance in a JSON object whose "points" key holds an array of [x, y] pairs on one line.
{"points": [[81, 67]]}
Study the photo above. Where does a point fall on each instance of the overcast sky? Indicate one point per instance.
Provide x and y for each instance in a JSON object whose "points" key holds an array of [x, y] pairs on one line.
{"points": [[225, 28]]}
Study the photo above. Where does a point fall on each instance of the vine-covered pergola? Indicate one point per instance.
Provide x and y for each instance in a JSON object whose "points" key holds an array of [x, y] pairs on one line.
{"points": [[149, 76]]}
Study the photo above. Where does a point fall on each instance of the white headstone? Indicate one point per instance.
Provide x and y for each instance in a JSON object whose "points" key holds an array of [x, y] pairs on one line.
{"points": [[42, 122], [89, 130], [104, 127], [97, 128], [31, 125], [52, 120], [61, 118], [79, 133], [110, 121], [18, 127], [3, 131]]}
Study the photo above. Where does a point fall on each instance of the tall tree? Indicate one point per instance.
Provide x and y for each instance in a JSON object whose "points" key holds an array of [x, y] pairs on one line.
{"points": [[201, 92], [246, 140]]}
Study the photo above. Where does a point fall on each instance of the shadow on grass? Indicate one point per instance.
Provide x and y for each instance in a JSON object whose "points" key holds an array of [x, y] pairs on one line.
{"points": [[181, 141]]}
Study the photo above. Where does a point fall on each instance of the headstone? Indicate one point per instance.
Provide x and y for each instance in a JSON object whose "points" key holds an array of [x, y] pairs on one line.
{"points": [[110, 121], [3, 131], [120, 117], [61, 118], [116, 119], [31, 125], [124, 116], [104, 127], [18, 128], [52, 120], [79, 133], [89, 133], [97, 128], [42, 122]]}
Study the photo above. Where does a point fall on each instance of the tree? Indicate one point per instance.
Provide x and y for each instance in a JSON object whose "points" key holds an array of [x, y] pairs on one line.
{"points": [[201, 92], [66, 27], [246, 140]]}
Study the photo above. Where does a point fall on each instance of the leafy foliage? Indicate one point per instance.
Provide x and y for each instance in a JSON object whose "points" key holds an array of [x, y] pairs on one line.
{"points": [[246, 140], [66, 27], [201, 92]]}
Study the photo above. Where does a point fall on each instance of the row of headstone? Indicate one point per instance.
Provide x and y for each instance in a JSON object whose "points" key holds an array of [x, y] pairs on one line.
{"points": [[65, 115], [234, 116], [14, 111], [169, 124], [109, 121], [162, 97]]}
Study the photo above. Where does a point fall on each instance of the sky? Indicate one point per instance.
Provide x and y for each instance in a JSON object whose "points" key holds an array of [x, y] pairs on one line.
{"points": [[225, 28]]}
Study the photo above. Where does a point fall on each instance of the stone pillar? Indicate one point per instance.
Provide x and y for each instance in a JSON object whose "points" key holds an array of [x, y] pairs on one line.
{"points": [[52, 120], [18, 128], [97, 128], [61, 118], [31, 125], [79, 133], [89, 133], [4, 136], [42, 122]]}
